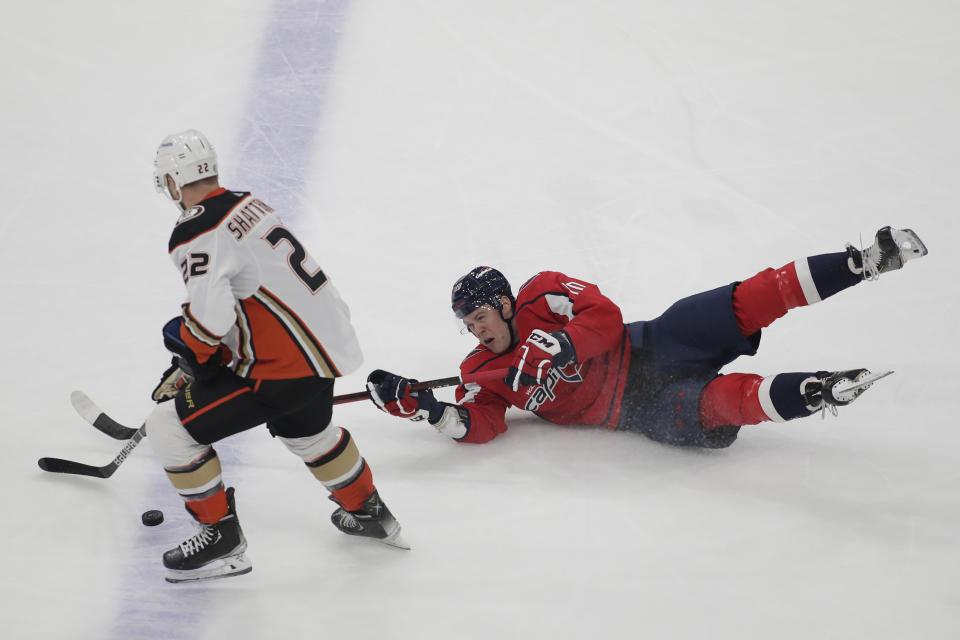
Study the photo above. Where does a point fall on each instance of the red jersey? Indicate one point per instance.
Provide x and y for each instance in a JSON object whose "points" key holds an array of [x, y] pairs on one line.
{"points": [[587, 392]]}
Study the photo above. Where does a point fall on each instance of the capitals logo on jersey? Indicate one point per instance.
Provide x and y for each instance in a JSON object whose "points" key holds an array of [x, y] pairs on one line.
{"points": [[543, 393]]}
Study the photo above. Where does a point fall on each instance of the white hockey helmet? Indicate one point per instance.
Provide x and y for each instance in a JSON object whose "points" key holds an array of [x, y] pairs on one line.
{"points": [[186, 157]]}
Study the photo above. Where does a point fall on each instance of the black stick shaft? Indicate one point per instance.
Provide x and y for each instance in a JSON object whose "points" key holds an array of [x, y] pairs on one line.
{"points": [[416, 386]]}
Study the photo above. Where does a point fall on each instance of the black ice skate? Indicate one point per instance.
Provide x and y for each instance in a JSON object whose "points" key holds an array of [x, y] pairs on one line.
{"points": [[216, 551], [371, 520], [838, 388], [891, 248]]}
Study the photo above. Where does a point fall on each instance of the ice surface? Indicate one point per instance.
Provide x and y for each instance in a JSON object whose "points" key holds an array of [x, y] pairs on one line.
{"points": [[654, 148]]}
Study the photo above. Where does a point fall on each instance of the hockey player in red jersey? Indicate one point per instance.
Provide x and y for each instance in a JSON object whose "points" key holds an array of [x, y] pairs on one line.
{"points": [[261, 338], [571, 359]]}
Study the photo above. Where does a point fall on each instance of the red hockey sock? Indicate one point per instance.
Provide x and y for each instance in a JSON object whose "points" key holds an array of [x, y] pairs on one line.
{"points": [[760, 300], [351, 497], [211, 509], [731, 399]]}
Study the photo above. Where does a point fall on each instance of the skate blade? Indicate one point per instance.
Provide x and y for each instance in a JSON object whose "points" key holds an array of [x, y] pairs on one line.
{"points": [[859, 386], [222, 568], [395, 540], [873, 377]]}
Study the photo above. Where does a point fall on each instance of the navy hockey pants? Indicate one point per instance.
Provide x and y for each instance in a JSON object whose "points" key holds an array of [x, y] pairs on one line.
{"points": [[672, 359]]}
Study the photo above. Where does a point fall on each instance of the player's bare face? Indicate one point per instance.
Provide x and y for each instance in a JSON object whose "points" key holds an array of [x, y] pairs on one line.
{"points": [[489, 328]]}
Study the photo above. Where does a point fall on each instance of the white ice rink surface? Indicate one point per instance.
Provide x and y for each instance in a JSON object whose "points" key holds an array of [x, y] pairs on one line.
{"points": [[655, 148]]}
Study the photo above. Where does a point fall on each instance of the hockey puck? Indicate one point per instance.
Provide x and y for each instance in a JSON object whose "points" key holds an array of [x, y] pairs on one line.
{"points": [[152, 518]]}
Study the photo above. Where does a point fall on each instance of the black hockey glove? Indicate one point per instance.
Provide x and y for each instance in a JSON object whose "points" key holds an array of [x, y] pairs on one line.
{"points": [[390, 393], [184, 356], [537, 355]]}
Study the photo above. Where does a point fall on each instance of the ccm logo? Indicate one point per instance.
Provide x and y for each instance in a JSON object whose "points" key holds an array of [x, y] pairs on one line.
{"points": [[546, 341]]}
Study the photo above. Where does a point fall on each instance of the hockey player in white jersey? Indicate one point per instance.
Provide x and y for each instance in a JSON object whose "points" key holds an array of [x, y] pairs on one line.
{"points": [[261, 337]]}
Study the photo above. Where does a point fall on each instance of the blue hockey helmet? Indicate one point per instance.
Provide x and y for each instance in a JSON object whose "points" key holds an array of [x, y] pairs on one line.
{"points": [[483, 285]]}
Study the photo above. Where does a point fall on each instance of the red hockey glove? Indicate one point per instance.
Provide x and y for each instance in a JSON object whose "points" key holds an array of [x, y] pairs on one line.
{"points": [[390, 393], [537, 355]]}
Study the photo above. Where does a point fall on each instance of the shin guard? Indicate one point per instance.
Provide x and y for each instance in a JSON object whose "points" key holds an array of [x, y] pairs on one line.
{"points": [[333, 458], [192, 468]]}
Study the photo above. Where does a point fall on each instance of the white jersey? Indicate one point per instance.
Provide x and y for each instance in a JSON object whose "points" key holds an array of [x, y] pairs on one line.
{"points": [[252, 287]]}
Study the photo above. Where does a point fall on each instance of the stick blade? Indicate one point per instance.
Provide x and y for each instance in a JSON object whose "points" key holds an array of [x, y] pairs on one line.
{"points": [[58, 465], [84, 406], [90, 412]]}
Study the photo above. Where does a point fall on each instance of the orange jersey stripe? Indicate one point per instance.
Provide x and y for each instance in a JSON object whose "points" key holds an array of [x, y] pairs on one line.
{"points": [[268, 352], [212, 405], [303, 335], [275, 343]]}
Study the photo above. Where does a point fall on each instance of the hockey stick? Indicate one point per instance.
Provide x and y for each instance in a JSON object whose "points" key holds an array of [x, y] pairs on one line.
{"points": [[104, 423], [92, 414], [58, 465], [416, 386]]}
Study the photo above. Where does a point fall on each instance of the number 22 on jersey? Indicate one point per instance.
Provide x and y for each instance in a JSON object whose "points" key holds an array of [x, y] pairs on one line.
{"points": [[197, 264]]}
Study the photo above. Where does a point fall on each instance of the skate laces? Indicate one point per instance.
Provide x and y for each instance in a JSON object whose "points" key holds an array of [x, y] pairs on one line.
{"points": [[871, 271], [871, 262], [199, 541], [818, 393], [348, 520], [827, 407]]}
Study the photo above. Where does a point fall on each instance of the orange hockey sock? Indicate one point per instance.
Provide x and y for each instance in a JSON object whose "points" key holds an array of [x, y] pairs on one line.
{"points": [[211, 509], [351, 497]]}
